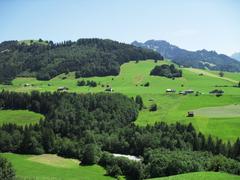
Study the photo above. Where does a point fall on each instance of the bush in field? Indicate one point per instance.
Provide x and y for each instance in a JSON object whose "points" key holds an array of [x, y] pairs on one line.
{"points": [[153, 107]]}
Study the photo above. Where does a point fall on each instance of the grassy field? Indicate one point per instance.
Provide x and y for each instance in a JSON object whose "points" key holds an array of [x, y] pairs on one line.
{"points": [[171, 107], [52, 167], [228, 111], [19, 117], [201, 176]]}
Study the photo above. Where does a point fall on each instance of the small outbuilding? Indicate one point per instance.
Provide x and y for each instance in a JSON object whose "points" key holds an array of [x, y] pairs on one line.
{"points": [[182, 93], [190, 114], [109, 89], [170, 90], [217, 92], [62, 89], [189, 91], [27, 85]]}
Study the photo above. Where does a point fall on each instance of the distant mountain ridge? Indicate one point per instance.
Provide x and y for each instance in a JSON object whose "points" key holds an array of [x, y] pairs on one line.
{"points": [[236, 56], [202, 59]]}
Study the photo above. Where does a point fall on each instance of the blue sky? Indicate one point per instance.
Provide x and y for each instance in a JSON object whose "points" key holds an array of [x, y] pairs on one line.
{"points": [[190, 24]]}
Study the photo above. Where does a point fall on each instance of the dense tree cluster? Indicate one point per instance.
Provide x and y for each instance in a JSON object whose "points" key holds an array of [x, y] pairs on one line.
{"points": [[88, 57], [6, 170], [89, 83], [162, 162], [165, 70], [117, 166], [84, 125]]}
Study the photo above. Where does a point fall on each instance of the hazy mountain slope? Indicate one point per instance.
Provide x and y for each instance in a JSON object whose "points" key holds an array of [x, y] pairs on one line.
{"points": [[236, 56], [197, 59]]}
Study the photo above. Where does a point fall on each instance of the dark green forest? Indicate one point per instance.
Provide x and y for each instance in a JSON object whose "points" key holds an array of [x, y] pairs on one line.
{"points": [[88, 57], [91, 126]]}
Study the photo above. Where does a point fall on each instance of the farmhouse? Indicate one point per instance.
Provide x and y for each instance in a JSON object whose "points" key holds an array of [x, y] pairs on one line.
{"points": [[189, 91], [216, 92], [182, 93], [170, 90], [109, 89]]}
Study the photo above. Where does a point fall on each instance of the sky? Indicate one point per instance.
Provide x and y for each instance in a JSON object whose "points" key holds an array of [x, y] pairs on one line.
{"points": [[189, 24]]}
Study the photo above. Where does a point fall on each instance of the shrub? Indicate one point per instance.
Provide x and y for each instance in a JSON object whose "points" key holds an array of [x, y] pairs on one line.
{"points": [[81, 83], [91, 154], [147, 84], [153, 107]]}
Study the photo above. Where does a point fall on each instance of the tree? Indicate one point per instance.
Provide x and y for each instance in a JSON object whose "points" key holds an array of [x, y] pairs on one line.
{"points": [[91, 154], [221, 74], [48, 140], [81, 83], [6, 170], [31, 143], [146, 84], [139, 102], [153, 107], [210, 144], [114, 171]]}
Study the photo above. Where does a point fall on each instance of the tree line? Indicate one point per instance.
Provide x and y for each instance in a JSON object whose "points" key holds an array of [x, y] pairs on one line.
{"points": [[87, 126]]}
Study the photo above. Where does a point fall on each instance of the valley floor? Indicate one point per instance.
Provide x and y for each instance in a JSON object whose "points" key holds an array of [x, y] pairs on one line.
{"points": [[171, 107]]}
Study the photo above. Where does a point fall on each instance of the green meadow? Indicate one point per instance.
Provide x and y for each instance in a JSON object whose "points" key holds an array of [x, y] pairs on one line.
{"points": [[201, 175], [171, 107], [52, 167], [19, 117]]}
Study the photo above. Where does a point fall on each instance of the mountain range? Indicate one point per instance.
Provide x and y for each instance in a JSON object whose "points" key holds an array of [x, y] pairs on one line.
{"points": [[202, 59]]}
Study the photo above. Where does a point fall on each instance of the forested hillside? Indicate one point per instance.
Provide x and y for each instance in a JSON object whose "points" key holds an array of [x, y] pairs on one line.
{"points": [[88, 57], [84, 126], [202, 59]]}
